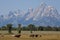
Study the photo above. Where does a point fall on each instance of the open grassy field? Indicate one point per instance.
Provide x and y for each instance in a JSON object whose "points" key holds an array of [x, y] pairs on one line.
{"points": [[25, 35]]}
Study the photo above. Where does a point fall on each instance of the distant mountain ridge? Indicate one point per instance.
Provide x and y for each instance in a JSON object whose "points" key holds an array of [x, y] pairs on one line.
{"points": [[43, 15]]}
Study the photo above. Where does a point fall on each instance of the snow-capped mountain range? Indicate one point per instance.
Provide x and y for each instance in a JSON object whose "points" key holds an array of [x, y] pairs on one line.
{"points": [[43, 15]]}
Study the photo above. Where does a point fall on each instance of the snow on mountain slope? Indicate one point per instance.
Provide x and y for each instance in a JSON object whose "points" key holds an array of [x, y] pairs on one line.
{"points": [[38, 11], [50, 17], [43, 15], [30, 14]]}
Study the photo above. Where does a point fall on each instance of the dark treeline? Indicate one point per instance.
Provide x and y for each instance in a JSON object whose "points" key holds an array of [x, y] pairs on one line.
{"points": [[30, 27]]}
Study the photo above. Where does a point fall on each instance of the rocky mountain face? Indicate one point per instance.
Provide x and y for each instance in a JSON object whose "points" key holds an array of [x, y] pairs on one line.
{"points": [[43, 15]]}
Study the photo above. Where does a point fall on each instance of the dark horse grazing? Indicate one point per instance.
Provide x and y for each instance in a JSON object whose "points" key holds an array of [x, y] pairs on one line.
{"points": [[36, 35], [17, 36]]}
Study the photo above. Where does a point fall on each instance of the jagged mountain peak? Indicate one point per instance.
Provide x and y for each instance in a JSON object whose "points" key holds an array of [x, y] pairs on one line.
{"points": [[39, 10], [51, 11], [42, 15], [36, 12], [29, 14]]}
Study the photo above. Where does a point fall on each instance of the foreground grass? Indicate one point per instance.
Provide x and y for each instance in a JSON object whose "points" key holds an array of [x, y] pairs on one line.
{"points": [[51, 35], [26, 37]]}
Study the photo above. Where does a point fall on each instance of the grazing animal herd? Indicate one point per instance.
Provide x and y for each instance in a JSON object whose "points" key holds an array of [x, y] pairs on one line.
{"points": [[36, 35], [32, 35], [18, 35]]}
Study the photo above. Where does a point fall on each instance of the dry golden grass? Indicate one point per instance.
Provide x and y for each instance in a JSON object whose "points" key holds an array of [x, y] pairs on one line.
{"points": [[27, 37], [45, 35]]}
